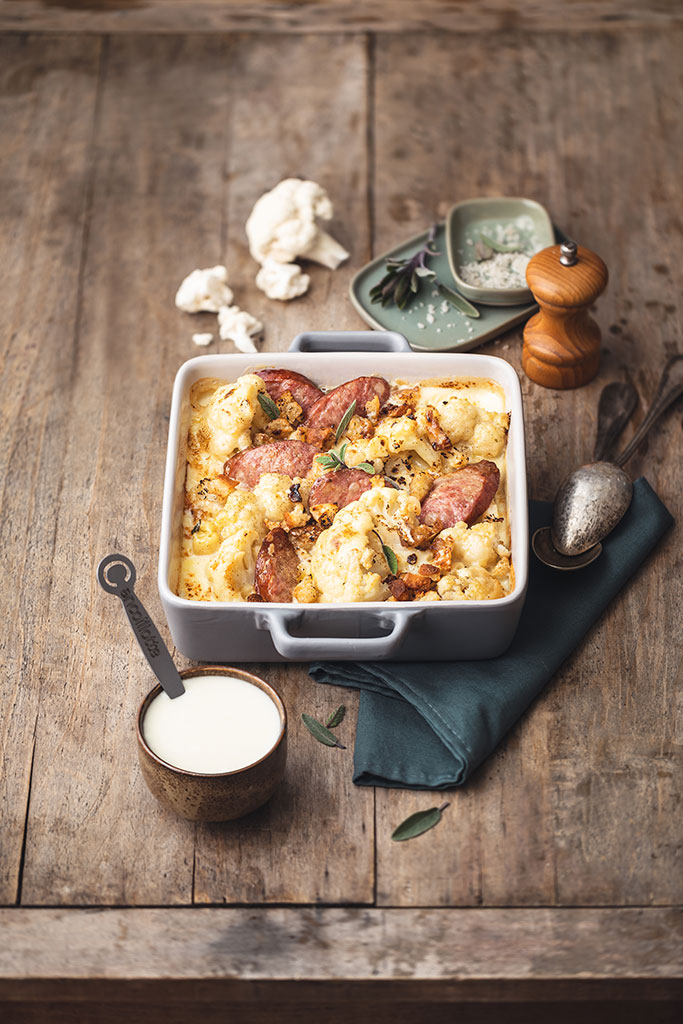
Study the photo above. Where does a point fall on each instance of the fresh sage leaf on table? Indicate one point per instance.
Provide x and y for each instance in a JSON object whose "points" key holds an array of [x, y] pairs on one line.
{"points": [[268, 405], [418, 823], [336, 718], [344, 421], [321, 733]]}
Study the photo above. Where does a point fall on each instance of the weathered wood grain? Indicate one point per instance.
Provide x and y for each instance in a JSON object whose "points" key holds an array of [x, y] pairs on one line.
{"points": [[581, 804], [412, 955], [298, 109], [95, 835], [47, 103], [162, 204], [333, 15]]}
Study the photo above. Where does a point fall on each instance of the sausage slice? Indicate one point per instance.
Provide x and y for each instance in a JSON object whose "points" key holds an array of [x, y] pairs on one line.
{"points": [[340, 487], [277, 567], [461, 497], [328, 410], [292, 458], [302, 390]]}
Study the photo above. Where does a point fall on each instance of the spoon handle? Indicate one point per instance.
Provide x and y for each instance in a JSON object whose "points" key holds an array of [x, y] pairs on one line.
{"points": [[617, 402], [116, 575], [670, 387]]}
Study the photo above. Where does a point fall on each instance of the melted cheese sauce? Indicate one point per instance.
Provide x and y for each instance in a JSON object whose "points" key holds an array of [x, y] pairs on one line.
{"points": [[341, 552]]}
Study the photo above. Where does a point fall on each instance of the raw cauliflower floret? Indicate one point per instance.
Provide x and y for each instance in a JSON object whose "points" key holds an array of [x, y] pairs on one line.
{"points": [[238, 326], [231, 413], [231, 570], [469, 584], [346, 562], [283, 281], [282, 225], [272, 495], [204, 291], [474, 545]]}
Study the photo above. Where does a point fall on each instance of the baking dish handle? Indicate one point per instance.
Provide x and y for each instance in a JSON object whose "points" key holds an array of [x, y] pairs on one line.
{"points": [[350, 341], [309, 648]]}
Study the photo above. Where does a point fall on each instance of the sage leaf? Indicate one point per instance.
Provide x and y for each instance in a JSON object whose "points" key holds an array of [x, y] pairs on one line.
{"points": [[498, 246], [336, 718], [268, 405], [418, 823], [458, 302], [367, 467], [344, 421], [322, 734], [392, 560]]}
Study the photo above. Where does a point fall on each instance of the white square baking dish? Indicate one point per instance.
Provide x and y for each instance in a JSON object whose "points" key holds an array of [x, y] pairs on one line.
{"points": [[425, 631]]}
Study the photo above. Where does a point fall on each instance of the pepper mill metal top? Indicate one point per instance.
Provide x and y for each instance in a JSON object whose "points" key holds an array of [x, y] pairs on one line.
{"points": [[568, 256], [562, 342]]}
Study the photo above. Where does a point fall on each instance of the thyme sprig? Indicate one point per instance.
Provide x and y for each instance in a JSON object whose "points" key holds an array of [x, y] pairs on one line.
{"points": [[335, 460]]}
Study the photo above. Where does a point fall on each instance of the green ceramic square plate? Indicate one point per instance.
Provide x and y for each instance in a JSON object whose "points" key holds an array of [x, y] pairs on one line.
{"points": [[428, 324], [508, 221]]}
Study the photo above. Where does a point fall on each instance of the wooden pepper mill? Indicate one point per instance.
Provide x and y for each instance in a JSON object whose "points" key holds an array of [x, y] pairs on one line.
{"points": [[562, 342]]}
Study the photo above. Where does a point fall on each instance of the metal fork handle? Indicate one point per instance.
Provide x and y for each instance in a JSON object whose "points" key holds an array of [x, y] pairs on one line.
{"points": [[670, 388]]}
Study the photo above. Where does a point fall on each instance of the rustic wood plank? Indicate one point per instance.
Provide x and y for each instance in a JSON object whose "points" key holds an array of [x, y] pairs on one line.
{"points": [[95, 835], [580, 804], [47, 100], [160, 208], [340, 955], [315, 842], [184, 16]]}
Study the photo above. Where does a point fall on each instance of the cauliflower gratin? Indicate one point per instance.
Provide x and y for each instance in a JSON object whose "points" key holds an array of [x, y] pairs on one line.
{"points": [[368, 492]]}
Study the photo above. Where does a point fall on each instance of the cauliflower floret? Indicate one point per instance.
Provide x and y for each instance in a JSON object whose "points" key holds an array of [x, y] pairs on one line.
{"points": [[231, 413], [235, 324], [231, 570], [282, 226], [392, 437], [474, 545], [204, 290], [346, 562], [272, 495], [282, 281], [488, 439], [458, 418], [202, 339], [470, 584]]}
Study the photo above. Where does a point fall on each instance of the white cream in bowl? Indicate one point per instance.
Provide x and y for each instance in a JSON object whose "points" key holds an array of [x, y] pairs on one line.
{"points": [[220, 724]]}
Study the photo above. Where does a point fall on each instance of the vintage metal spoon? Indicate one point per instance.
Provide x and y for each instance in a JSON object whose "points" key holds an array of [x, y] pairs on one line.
{"points": [[116, 574], [593, 499]]}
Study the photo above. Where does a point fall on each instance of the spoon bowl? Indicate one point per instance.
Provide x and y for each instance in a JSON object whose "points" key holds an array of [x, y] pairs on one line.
{"points": [[592, 499], [589, 504]]}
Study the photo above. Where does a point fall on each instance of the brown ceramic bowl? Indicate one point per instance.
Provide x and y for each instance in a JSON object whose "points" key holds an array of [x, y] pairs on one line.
{"points": [[217, 797]]}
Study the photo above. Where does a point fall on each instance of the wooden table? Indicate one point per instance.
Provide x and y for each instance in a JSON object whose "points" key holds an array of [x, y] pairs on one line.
{"points": [[129, 158]]}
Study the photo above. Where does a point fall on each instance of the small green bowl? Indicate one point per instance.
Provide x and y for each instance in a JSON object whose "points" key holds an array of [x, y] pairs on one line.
{"points": [[468, 219]]}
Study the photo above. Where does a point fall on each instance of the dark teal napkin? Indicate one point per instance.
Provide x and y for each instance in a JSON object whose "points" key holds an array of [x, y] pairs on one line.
{"points": [[429, 725]]}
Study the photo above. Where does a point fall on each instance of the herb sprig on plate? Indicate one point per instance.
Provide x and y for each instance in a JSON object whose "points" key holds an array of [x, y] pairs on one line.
{"points": [[404, 277]]}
